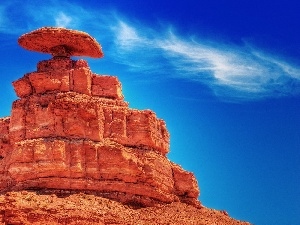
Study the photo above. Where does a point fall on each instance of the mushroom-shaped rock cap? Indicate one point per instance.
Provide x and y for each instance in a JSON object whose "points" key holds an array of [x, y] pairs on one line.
{"points": [[61, 42]]}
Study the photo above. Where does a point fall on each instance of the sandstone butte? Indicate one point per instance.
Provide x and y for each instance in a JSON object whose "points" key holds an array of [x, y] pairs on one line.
{"points": [[73, 152]]}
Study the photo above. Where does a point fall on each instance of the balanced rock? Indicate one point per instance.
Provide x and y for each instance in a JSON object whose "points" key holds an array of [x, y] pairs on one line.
{"points": [[71, 131], [61, 42]]}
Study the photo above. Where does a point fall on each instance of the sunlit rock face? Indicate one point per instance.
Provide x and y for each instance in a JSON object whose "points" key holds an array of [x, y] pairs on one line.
{"points": [[71, 131]]}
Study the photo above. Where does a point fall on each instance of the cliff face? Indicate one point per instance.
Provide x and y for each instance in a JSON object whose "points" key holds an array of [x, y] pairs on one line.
{"points": [[71, 132]]}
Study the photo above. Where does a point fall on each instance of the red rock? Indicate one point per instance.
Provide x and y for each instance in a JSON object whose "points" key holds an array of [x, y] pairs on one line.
{"points": [[72, 132], [82, 81], [185, 185], [35, 208], [17, 122], [107, 87], [57, 64], [22, 87], [4, 137], [72, 138], [61, 42], [144, 129]]}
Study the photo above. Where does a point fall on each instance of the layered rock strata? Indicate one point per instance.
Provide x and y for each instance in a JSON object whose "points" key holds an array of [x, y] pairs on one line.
{"points": [[73, 152], [71, 130]]}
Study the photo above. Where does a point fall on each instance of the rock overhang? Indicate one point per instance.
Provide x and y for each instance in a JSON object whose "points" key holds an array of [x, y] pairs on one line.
{"points": [[61, 42]]}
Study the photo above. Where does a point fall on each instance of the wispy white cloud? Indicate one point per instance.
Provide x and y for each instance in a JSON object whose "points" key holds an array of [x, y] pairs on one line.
{"points": [[21, 16], [55, 13], [62, 20], [242, 72], [230, 71], [127, 37]]}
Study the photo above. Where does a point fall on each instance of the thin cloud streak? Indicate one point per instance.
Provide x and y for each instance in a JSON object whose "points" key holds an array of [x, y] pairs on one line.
{"points": [[62, 20], [127, 36], [243, 73], [50, 13]]}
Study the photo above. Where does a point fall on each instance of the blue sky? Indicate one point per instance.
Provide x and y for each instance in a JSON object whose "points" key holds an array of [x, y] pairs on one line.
{"points": [[224, 75]]}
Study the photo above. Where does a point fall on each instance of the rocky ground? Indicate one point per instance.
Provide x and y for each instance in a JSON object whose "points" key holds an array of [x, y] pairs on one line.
{"points": [[31, 208]]}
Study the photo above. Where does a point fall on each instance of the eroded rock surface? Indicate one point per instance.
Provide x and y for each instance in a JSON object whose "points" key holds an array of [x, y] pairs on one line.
{"points": [[29, 208], [72, 130], [61, 42]]}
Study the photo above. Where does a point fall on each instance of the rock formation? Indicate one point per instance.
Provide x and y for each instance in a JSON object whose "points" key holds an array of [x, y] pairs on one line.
{"points": [[71, 131], [81, 209]]}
